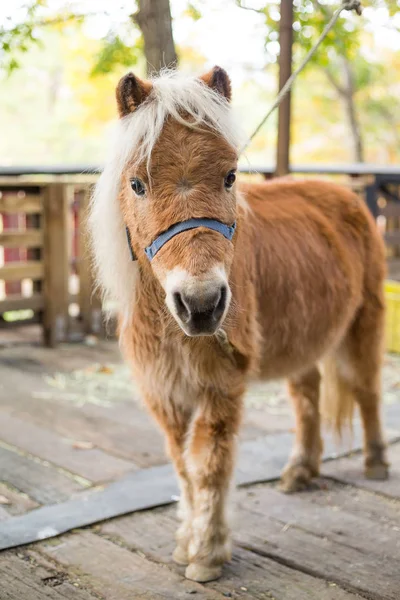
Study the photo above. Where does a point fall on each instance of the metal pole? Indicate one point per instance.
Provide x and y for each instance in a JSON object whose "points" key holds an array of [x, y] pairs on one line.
{"points": [[285, 70]]}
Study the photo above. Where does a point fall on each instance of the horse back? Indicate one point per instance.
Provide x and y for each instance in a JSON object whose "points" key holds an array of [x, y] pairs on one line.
{"points": [[316, 254]]}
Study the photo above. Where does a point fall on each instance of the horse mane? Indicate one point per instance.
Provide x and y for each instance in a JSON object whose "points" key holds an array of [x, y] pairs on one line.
{"points": [[185, 99]]}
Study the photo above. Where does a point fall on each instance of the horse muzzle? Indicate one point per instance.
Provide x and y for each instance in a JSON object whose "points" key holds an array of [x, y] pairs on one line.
{"points": [[199, 305]]}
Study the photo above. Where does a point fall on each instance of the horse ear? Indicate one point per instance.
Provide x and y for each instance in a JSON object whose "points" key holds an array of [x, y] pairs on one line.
{"points": [[131, 92], [218, 80]]}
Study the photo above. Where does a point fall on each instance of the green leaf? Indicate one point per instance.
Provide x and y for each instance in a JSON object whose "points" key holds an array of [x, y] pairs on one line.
{"points": [[113, 53], [193, 12]]}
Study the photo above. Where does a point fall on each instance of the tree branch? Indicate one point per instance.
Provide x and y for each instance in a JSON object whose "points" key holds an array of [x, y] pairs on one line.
{"points": [[334, 82], [259, 11], [53, 21]]}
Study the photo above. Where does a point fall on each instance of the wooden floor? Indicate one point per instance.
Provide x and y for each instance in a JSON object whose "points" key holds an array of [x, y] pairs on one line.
{"points": [[71, 420]]}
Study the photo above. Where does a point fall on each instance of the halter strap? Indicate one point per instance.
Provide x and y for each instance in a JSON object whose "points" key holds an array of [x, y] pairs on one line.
{"points": [[226, 230]]}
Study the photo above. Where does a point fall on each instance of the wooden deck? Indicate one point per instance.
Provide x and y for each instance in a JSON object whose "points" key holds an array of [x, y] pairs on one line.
{"points": [[73, 432]]}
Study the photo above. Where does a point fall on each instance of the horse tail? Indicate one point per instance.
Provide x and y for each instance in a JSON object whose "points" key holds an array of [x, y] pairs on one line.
{"points": [[336, 398]]}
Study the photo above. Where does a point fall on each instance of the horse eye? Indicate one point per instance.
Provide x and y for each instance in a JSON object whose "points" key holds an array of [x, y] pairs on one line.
{"points": [[138, 187], [230, 180]]}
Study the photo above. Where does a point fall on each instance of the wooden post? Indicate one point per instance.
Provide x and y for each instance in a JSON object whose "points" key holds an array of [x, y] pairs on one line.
{"points": [[34, 223], [285, 70], [56, 262], [89, 299]]}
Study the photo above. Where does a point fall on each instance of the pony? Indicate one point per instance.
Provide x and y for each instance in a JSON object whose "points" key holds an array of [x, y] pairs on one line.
{"points": [[219, 282]]}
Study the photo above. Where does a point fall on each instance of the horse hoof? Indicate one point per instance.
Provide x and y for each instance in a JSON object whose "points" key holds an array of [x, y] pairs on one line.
{"points": [[180, 556], [296, 478], [202, 573], [379, 471]]}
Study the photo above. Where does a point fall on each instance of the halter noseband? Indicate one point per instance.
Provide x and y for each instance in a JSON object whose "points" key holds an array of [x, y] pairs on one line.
{"points": [[226, 230]]}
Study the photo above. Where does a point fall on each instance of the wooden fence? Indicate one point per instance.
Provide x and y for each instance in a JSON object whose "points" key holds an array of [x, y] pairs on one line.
{"points": [[44, 257], [50, 275]]}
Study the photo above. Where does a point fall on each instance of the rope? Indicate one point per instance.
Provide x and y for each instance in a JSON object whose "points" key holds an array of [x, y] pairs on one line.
{"points": [[346, 5]]}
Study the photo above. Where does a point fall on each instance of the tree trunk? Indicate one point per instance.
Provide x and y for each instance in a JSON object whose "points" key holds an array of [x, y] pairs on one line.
{"points": [[351, 111], [346, 92], [285, 70], [155, 23]]}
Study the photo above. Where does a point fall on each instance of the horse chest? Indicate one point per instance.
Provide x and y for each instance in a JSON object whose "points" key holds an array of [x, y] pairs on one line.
{"points": [[167, 372]]}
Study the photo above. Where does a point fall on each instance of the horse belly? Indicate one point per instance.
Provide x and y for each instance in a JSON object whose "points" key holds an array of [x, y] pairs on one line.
{"points": [[282, 360], [297, 334]]}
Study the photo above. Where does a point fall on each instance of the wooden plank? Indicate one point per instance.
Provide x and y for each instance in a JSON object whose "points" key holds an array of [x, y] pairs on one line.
{"points": [[118, 426], [30, 269], [22, 333], [18, 503], [71, 405], [136, 491], [264, 458], [248, 575], [67, 358], [34, 222], [349, 470], [57, 226], [100, 408], [92, 464], [38, 480], [143, 489], [18, 202], [34, 302], [29, 577], [351, 550], [31, 238], [125, 431], [114, 572], [357, 501]]}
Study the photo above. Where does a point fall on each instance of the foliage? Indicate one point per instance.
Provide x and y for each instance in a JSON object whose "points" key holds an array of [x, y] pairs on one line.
{"points": [[193, 12], [17, 38], [94, 95], [118, 48], [310, 17], [340, 57], [114, 51], [69, 110]]}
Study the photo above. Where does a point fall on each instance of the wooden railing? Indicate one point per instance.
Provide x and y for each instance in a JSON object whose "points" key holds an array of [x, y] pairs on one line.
{"points": [[51, 275], [44, 257]]}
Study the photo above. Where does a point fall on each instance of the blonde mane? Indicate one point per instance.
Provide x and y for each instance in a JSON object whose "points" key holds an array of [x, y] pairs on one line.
{"points": [[173, 95]]}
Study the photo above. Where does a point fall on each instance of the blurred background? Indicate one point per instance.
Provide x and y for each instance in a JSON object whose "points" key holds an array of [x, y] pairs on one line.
{"points": [[60, 62]]}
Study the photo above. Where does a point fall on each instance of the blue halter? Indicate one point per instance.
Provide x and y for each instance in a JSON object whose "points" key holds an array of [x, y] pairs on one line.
{"points": [[226, 230]]}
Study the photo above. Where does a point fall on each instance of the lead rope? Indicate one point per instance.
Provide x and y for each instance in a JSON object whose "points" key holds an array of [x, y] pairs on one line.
{"points": [[221, 334], [346, 5]]}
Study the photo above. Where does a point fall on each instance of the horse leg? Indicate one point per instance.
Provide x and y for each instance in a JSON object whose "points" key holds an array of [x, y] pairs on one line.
{"points": [[363, 348], [304, 462], [210, 461], [175, 425]]}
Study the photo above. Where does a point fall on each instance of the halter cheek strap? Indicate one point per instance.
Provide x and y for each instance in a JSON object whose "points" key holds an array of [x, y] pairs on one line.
{"points": [[226, 230], [131, 250]]}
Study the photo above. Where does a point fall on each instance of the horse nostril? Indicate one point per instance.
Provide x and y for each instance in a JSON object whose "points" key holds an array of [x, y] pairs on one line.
{"points": [[201, 310], [180, 306]]}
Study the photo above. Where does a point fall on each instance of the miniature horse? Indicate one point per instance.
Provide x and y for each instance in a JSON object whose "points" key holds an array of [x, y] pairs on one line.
{"points": [[218, 282]]}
